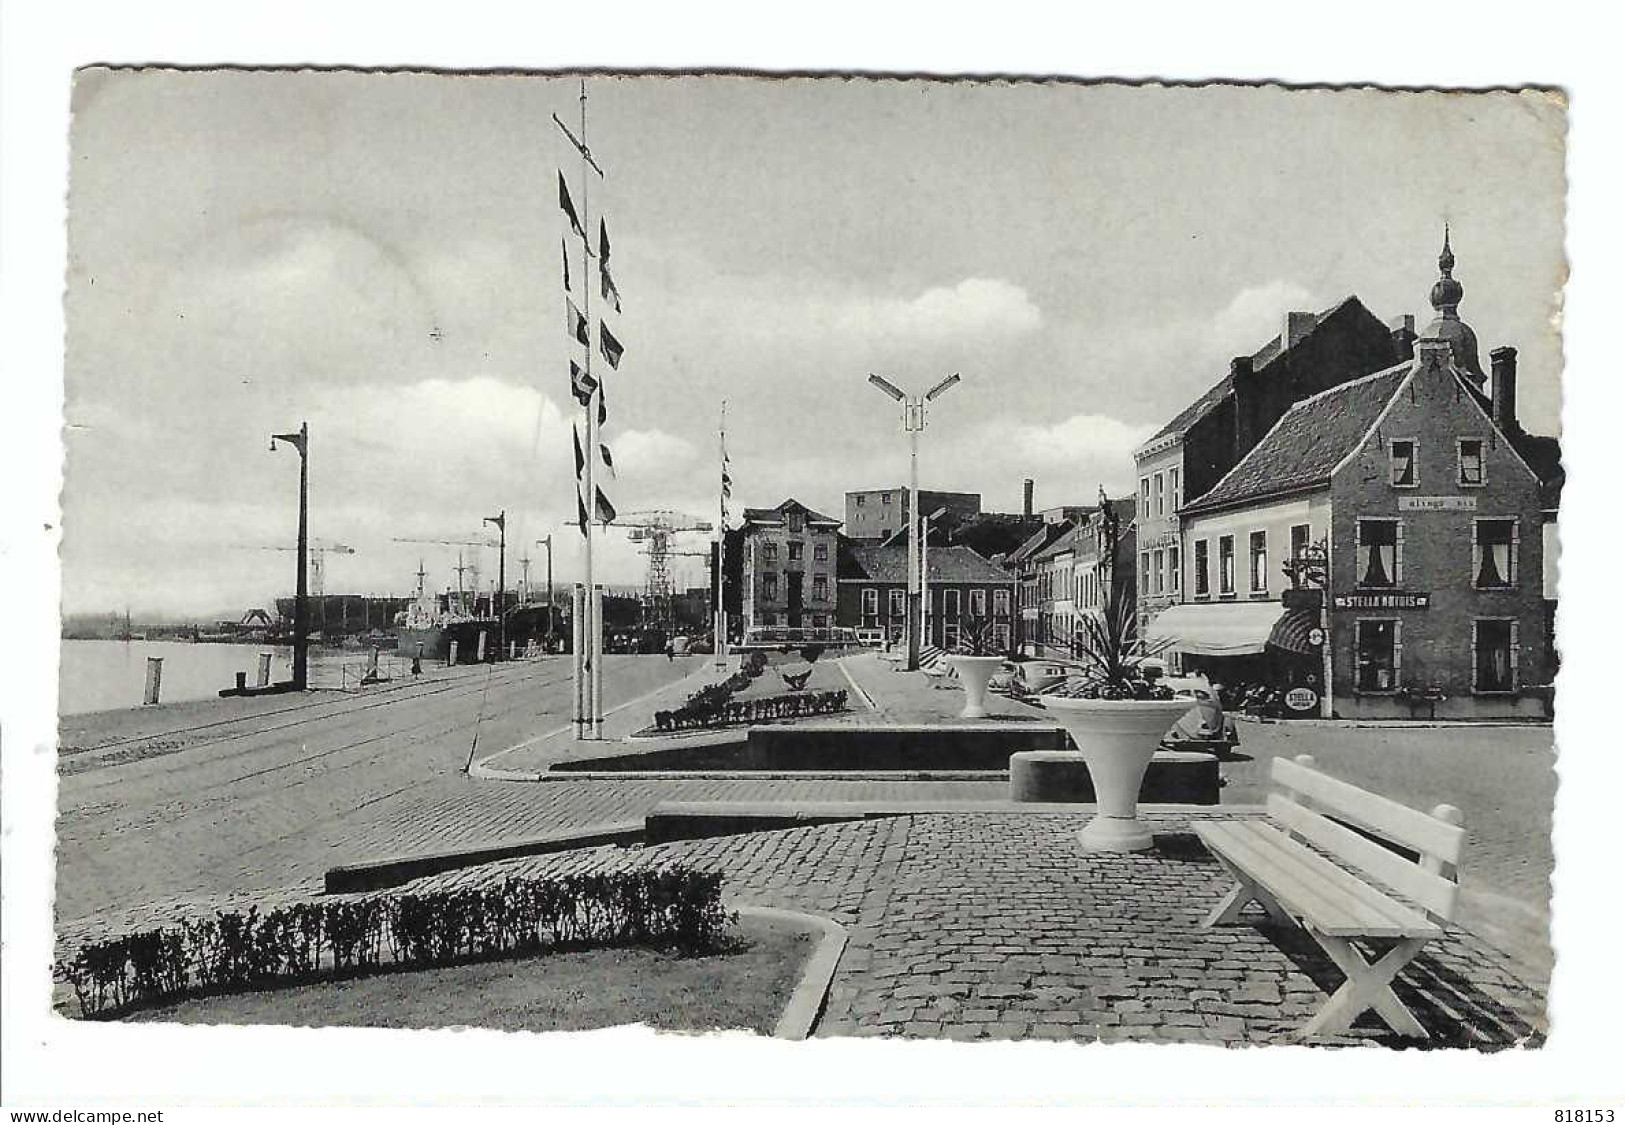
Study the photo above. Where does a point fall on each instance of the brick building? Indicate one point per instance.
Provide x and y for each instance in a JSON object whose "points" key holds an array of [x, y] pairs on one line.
{"points": [[1066, 570], [1386, 537], [877, 514], [787, 567], [1207, 439], [960, 584]]}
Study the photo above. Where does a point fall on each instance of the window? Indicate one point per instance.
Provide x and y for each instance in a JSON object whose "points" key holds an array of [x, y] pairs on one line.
{"points": [[978, 603], [820, 587], [860, 499], [1376, 655], [795, 551], [1470, 462], [770, 586], [950, 604], [1156, 572], [1300, 540], [1157, 487], [1495, 554], [950, 637], [1227, 564], [895, 605], [1001, 637], [1145, 497], [1200, 568], [1172, 555], [820, 552], [820, 621], [1495, 655], [795, 523], [871, 603], [1173, 490], [1145, 572], [1001, 603], [770, 553], [1258, 562], [1381, 563], [1402, 463], [885, 498]]}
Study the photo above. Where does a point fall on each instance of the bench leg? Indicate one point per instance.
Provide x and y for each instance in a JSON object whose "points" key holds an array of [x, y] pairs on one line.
{"points": [[1245, 891], [1367, 986]]}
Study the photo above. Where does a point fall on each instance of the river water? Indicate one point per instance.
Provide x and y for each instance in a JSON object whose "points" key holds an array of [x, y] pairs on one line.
{"points": [[104, 675]]}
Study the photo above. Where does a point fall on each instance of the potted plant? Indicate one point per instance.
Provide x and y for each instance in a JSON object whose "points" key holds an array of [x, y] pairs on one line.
{"points": [[974, 662], [1117, 716]]}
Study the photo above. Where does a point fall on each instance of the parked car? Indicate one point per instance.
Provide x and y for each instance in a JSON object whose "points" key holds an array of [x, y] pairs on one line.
{"points": [[1029, 677], [1204, 727]]}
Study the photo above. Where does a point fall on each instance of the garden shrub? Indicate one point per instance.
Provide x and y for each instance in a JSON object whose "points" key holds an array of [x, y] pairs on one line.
{"points": [[711, 712], [675, 908]]}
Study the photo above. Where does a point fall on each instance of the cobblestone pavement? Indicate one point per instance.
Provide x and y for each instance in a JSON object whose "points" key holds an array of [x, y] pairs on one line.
{"points": [[969, 926]]}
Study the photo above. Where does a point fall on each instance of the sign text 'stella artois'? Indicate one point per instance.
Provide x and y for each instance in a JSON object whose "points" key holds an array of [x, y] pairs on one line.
{"points": [[1395, 599]]}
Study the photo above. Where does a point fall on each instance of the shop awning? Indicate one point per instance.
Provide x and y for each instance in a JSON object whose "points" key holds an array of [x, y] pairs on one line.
{"points": [[1294, 632], [1225, 629]]}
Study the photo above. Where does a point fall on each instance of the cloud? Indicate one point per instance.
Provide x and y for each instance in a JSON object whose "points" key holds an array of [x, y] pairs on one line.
{"points": [[1254, 316], [975, 308]]}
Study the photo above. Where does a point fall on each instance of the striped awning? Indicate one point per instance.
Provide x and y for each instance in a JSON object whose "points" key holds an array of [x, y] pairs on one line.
{"points": [[1216, 629], [1291, 632]]}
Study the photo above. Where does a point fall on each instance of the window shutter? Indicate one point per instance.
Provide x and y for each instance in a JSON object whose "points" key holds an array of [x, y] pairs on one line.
{"points": [[1514, 631], [1472, 654], [1512, 577], [1399, 650], [1399, 556]]}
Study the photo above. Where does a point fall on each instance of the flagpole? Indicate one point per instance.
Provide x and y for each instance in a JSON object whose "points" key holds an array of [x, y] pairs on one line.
{"points": [[720, 622], [593, 723]]}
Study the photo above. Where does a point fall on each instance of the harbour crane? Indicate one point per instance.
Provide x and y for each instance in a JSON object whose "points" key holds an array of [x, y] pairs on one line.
{"points": [[471, 568], [319, 550], [655, 528]]}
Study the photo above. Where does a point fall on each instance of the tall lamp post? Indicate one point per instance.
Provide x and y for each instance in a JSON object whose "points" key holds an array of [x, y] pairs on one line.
{"points": [[913, 424], [301, 597], [925, 579], [501, 520], [548, 543]]}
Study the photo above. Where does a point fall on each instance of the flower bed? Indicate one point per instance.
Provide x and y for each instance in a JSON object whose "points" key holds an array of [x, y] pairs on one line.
{"points": [[670, 908], [732, 712]]}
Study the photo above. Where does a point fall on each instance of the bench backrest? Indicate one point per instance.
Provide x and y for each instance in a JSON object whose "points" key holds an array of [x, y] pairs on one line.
{"points": [[1310, 805]]}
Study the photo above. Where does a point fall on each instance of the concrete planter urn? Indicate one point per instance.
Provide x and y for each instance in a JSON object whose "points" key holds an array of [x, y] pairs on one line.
{"points": [[974, 672], [1117, 738]]}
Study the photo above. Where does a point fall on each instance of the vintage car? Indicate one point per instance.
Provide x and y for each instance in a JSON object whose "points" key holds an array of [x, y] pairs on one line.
{"points": [[1204, 727], [1030, 677]]}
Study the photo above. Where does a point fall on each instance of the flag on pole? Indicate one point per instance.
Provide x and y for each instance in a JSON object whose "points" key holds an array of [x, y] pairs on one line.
{"points": [[576, 324], [603, 408], [606, 510], [609, 346], [582, 384], [569, 207], [606, 283], [609, 462], [581, 460], [564, 248], [581, 513]]}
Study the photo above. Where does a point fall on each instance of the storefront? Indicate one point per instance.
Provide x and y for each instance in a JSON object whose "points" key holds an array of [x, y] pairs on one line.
{"points": [[1264, 655]]}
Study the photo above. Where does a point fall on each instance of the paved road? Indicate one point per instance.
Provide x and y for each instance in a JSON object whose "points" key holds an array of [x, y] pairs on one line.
{"points": [[270, 796]]}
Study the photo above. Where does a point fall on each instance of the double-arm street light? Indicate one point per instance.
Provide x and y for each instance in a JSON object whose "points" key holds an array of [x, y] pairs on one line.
{"points": [[913, 424], [301, 597]]}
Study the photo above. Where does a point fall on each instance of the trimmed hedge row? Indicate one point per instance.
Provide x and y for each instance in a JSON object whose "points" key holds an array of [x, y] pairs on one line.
{"points": [[670, 908], [733, 711]]}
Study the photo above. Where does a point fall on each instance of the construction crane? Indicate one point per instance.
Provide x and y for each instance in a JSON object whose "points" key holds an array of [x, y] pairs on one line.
{"points": [[655, 528], [470, 568], [319, 550]]}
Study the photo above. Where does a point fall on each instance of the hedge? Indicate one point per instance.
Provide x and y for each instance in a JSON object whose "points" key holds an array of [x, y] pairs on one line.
{"points": [[726, 712], [669, 908]]}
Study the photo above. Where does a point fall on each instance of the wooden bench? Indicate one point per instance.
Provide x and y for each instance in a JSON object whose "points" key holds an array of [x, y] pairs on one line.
{"points": [[1352, 900]]}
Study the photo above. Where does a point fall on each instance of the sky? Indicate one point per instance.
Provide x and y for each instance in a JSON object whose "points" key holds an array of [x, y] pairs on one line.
{"points": [[379, 255]]}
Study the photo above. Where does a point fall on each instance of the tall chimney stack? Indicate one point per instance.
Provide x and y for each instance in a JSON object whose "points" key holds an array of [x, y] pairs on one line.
{"points": [[1504, 388], [1402, 329], [1297, 326], [1027, 498]]}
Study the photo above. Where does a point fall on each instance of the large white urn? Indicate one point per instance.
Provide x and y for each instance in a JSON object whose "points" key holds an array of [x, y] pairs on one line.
{"points": [[1117, 738], [974, 672]]}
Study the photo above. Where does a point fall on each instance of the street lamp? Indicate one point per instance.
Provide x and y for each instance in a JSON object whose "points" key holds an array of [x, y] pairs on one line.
{"points": [[301, 597], [548, 543], [925, 579], [913, 424], [501, 520]]}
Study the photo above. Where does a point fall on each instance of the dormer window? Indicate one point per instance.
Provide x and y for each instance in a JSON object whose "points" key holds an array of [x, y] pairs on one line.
{"points": [[1470, 462], [1402, 463], [795, 523]]}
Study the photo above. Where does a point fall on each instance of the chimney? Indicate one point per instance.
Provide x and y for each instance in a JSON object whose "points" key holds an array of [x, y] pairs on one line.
{"points": [[1298, 325], [1504, 388], [1402, 329], [1241, 370], [1027, 499]]}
